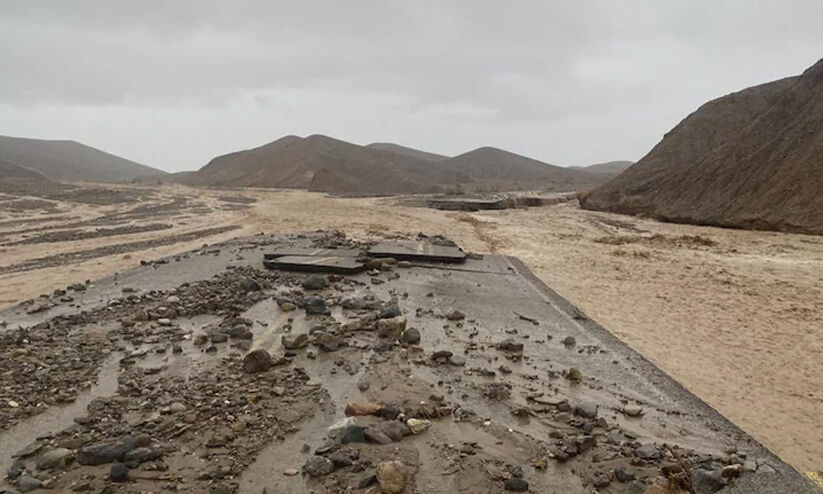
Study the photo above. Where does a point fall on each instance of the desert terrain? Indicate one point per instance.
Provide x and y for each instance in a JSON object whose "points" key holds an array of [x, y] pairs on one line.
{"points": [[733, 315]]}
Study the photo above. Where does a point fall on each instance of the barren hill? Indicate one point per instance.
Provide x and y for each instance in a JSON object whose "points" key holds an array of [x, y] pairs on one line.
{"points": [[751, 159], [324, 164], [11, 171], [70, 161], [414, 153]]}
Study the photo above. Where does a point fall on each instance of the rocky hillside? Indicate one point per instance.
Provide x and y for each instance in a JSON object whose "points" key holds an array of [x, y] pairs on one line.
{"points": [[751, 159], [70, 161]]}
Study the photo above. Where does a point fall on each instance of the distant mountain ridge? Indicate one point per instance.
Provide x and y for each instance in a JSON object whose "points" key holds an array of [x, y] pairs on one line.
{"points": [[751, 159], [324, 164], [70, 160], [609, 168], [9, 170]]}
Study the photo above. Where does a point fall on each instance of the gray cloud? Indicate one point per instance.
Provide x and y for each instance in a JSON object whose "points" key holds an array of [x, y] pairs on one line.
{"points": [[174, 83]]}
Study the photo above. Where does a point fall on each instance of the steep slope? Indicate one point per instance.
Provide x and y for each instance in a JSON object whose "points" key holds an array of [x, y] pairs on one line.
{"points": [[69, 160], [751, 159], [411, 152], [9, 170]]}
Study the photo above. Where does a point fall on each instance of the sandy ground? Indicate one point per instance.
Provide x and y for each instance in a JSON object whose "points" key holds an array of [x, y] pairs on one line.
{"points": [[736, 316]]}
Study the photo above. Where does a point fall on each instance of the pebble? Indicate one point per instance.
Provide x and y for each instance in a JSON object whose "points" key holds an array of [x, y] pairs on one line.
{"points": [[410, 336], [314, 282], [362, 408], [417, 426], [574, 374], [119, 472], [569, 341], [316, 306], [457, 360], [633, 410], [28, 483], [515, 484], [293, 341], [257, 361], [647, 452], [392, 327], [455, 315], [707, 481], [318, 466], [586, 409], [55, 458], [390, 477]]}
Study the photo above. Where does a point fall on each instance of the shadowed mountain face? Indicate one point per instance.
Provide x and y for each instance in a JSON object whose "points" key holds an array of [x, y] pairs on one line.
{"points": [[324, 164], [11, 171], [70, 161], [751, 159]]}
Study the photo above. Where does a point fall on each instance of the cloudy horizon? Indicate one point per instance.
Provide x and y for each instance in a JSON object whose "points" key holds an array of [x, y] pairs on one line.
{"points": [[176, 84]]}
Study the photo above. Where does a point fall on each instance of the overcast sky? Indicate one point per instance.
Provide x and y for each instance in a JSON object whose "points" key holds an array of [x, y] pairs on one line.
{"points": [[172, 84]]}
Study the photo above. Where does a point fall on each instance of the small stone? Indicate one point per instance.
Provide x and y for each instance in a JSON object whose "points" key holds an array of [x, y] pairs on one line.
{"points": [[732, 471], [624, 474], [457, 360], [392, 327], [176, 348], [648, 452], [257, 361], [632, 410], [410, 336], [362, 408], [316, 306], [200, 340], [390, 477], [314, 282], [574, 374], [291, 472], [391, 311], [707, 481], [13, 404], [55, 458], [328, 342], [441, 355], [318, 466], [417, 426], [164, 321], [28, 483], [287, 306], [586, 409], [376, 436], [119, 472], [293, 341], [509, 345], [455, 315], [569, 341], [249, 285], [516, 484]]}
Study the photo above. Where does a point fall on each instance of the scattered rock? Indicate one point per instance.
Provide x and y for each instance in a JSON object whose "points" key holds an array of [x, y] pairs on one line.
{"points": [[316, 306], [624, 474], [293, 341], [318, 466], [632, 410], [111, 450], [287, 306], [569, 341], [586, 409], [362, 408], [509, 345], [457, 360], [417, 426], [390, 477], [119, 473], [574, 374], [410, 336], [392, 327], [516, 484], [707, 481], [257, 361], [314, 282], [648, 452], [28, 483], [249, 284], [56, 458], [391, 311], [455, 315]]}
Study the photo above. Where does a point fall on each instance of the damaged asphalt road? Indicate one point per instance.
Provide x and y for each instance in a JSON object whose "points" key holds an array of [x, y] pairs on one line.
{"points": [[209, 373]]}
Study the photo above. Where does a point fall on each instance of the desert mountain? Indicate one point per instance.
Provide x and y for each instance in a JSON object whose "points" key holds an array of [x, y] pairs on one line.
{"points": [[612, 168], [414, 153], [751, 159], [11, 171], [69, 160], [324, 164]]}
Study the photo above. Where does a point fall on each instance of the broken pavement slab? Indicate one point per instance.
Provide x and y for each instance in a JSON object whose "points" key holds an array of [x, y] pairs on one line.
{"points": [[418, 251], [319, 264]]}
